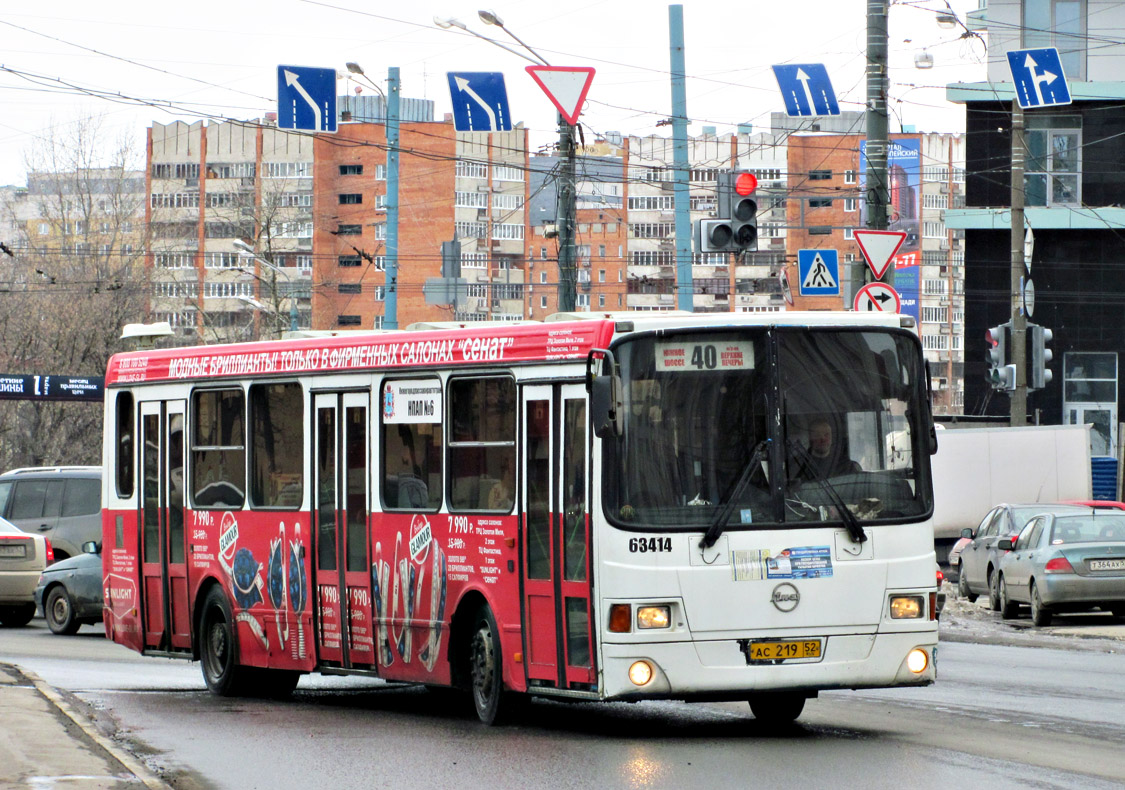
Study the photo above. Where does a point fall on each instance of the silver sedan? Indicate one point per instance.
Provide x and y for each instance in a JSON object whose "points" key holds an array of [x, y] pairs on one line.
{"points": [[23, 557], [1064, 562]]}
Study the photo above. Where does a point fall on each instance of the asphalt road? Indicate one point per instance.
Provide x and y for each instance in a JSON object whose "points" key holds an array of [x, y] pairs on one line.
{"points": [[1000, 716]]}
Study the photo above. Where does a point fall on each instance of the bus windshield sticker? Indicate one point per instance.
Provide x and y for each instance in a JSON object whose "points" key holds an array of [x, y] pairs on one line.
{"points": [[721, 355], [411, 402], [805, 562]]}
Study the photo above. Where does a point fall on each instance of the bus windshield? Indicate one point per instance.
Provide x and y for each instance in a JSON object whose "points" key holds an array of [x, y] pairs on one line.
{"points": [[769, 426]]}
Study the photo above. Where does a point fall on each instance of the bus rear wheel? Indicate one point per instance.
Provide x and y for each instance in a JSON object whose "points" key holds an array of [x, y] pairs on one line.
{"points": [[486, 670], [777, 707], [219, 647]]}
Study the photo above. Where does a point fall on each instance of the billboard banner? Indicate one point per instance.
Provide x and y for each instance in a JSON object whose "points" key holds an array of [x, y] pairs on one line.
{"points": [[904, 170]]}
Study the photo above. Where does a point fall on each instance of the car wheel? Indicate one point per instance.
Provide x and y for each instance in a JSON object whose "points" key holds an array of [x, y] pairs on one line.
{"points": [[219, 649], [1040, 614], [486, 670], [17, 616], [963, 585], [58, 610], [1008, 607], [777, 707], [993, 591]]}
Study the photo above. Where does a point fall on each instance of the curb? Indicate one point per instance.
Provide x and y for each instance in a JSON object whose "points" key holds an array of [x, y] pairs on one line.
{"points": [[83, 722]]}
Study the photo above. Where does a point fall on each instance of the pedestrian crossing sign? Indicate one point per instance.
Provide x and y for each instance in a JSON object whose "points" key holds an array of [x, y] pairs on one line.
{"points": [[818, 272]]}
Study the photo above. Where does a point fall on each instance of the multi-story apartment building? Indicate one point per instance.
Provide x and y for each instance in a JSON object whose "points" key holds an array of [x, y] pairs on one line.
{"points": [[215, 192], [1074, 187]]}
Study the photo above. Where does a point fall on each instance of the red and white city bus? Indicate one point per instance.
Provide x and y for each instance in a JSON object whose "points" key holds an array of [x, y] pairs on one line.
{"points": [[613, 507]]}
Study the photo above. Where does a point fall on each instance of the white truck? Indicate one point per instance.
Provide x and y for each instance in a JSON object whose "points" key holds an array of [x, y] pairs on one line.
{"points": [[977, 468]]}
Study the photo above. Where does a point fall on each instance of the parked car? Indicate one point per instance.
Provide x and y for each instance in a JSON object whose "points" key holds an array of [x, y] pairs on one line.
{"points": [[979, 558], [61, 503], [22, 558], [1064, 563], [70, 591]]}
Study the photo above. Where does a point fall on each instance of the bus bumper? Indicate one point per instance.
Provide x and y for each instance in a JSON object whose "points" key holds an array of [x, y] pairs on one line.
{"points": [[719, 669]]}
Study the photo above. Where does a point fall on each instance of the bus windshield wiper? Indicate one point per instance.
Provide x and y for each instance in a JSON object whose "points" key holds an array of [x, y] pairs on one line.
{"points": [[855, 529], [723, 514]]}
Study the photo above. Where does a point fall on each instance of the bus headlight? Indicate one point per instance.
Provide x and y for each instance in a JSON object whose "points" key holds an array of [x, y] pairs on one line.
{"points": [[640, 673], [907, 607], [654, 617]]}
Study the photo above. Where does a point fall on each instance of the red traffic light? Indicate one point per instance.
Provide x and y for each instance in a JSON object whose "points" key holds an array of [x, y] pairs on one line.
{"points": [[990, 339], [745, 184]]}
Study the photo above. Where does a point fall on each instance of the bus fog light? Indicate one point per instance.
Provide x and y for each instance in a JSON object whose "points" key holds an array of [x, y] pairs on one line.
{"points": [[917, 661], [640, 673], [907, 607], [654, 617]]}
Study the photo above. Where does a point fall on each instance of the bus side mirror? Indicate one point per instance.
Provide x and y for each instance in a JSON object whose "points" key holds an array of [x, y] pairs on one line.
{"points": [[607, 411]]}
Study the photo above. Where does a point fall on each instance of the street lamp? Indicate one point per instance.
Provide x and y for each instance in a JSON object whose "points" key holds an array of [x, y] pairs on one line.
{"points": [[246, 249], [568, 198], [355, 68]]}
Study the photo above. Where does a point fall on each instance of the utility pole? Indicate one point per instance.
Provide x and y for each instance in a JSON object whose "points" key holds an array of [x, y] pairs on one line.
{"points": [[878, 193], [390, 290], [684, 298], [1019, 320], [567, 217]]}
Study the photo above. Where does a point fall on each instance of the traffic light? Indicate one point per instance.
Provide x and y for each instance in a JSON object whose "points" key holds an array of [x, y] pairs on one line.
{"points": [[1037, 339], [744, 211], [1001, 375], [735, 227]]}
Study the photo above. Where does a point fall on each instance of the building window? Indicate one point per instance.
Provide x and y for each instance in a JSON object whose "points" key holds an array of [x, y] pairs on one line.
{"points": [[468, 169], [850, 204], [351, 170], [820, 175], [507, 201], [349, 260], [351, 198], [381, 231], [849, 176], [652, 203], [1061, 24], [470, 199], [933, 230], [347, 320], [543, 302], [849, 234], [349, 288], [349, 230], [287, 169], [507, 173], [820, 202], [380, 172], [820, 230], [1052, 176], [507, 231]]}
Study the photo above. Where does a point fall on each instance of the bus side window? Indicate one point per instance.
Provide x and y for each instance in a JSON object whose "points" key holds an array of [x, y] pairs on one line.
{"points": [[411, 455], [482, 444], [124, 445], [218, 451]]}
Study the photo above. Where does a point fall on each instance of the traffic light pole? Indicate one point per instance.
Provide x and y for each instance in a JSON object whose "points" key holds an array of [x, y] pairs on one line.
{"points": [[1019, 320]]}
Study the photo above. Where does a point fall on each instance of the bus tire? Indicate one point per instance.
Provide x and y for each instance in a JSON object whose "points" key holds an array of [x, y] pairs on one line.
{"points": [[777, 707], [218, 650], [486, 669]]}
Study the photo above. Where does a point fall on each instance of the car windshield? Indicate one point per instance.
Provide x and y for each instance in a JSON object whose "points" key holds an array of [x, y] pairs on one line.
{"points": [[702, 442], [1092, 528]]}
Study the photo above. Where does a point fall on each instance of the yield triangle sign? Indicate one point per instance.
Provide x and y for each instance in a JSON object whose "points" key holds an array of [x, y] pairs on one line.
{"points": [[566, 86], [879, 248]]}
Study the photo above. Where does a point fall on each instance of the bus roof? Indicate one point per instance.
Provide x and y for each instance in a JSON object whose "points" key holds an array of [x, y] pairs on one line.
{"points": [[562, 337]]}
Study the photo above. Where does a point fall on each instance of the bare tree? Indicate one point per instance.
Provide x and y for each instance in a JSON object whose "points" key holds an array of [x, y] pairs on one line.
{"points": [[76, 277]]}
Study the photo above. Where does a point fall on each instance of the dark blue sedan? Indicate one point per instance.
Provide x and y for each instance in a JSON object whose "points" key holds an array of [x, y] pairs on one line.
{"points": [[70, 591]]}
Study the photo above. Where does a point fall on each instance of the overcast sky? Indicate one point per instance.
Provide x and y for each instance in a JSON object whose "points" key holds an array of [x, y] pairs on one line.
{"points": [[161, 61]]}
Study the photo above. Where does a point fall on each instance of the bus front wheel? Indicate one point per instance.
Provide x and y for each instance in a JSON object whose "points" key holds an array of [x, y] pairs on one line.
{"points": [[219, 647], [777, 707]]}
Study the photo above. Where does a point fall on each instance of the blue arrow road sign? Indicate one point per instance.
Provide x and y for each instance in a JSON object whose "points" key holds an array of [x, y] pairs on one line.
{"points": [[306, 99], [1038, 76], [806, 89], [819, 272], [480, 101]]}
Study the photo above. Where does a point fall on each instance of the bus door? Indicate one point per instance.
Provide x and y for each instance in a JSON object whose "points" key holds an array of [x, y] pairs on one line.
{"points": [[340, 514], [164, 588], [556, 537]]}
